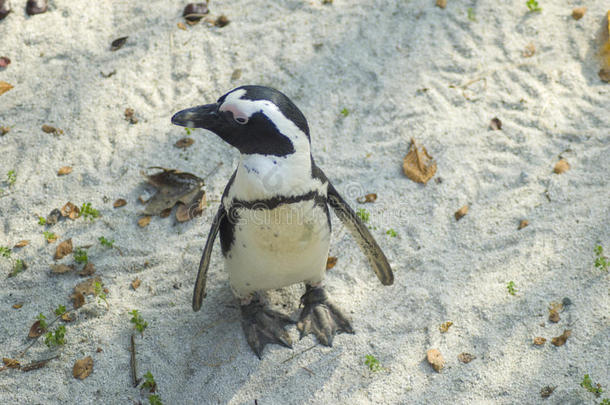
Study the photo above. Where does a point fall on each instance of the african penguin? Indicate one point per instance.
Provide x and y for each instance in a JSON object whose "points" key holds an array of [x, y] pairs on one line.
{"points": [[273, 218]]}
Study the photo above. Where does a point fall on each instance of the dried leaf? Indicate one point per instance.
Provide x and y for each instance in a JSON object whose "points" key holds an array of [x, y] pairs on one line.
{"points": [[546, 392], [495, 124], [184, 142], [66, 317], [119, 203], [36, 330], [63, 249], [529, 51], [578, 12], [18, 305], [445, 326], [331, 262], [523, 224], [87, 270], [418, 165], [61, 268], [459, 214], [11, 363], [87, 287], [4, 87], [78, 300], [53, 216], [144, 221], [181, 26], [136, 283], [436, 360], [236, 75], [539, 341], [369, 198], [441, 3], [70, 210], [22, 243], [82, 368], [64, 170], [4, 130], [130, 116], [184, 213], [118, 43], [466, 357], [51, 130], [561, 166], [554, 309], [561, 339]]}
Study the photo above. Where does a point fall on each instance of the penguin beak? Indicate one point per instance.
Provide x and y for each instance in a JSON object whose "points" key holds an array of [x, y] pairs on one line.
{"points": [[203, 116]]}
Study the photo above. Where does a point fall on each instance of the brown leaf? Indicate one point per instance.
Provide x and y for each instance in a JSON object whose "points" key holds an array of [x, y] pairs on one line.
{"points": [[236, 74], [495, 124], [441, 3], [22, 243], [51, 130], [523, 224], [53, 216], [436, 360], [61, 268], [459, 214], [119, 203], [130, 116], [87, 270], [369, 198], [136, 283], [63, 249], [174, 186], [561, 166], [78, 300], [529, 51], [36, 330], [445, 326], [18, 305], [418, 165], [181, 26], [144, 221], [561, 339], [4, 130], [184, 213], [88, 286], [539, 341], [11, 363], [83, 368], [331, 262], [64, 170], [118, 43], [554, 312], [4, 87], [466, 357], [70, 210], [578, 12], [546, 392], [184, 142]]}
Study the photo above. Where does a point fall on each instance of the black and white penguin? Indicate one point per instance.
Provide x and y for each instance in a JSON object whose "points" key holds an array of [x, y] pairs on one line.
{"points": [[273, 218]]}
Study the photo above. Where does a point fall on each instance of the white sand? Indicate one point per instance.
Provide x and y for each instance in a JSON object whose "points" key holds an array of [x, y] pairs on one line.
{"points": [[370, 57]]}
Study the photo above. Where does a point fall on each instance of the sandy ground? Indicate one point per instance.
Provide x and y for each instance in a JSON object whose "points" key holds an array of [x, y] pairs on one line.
{"points": [[397, 68]]}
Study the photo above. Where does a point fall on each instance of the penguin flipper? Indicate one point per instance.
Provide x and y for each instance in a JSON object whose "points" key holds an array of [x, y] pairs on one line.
{"points": [[199, 292], [361, 234]]}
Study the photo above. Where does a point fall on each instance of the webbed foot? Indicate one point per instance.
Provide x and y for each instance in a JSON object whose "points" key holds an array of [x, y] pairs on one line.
{"points": [[321, 317], [263, 325]]}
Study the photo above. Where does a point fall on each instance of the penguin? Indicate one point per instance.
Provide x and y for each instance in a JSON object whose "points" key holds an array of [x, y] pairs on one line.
{"points": [[274, 219]]}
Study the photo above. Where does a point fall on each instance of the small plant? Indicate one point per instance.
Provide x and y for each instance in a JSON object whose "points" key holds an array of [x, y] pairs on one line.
{"points": [[5, 251], [601, 261], [391, 232], [99, 293], [587, 384], [60, 310], [139, 323], [372, 362], [345, 112], [471, 15], [42, 221], [533, 6], [605, 401], [11, 177], [511, 288], [18, 267], [42, 321], [80, 256], [106, 242], [149, 382], [56, 338], [89, 212], [49, 236], [154, 400], [188, 130], [363, 214]]}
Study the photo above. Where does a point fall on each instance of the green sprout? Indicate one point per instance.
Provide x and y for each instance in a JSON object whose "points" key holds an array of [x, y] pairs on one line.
{"points": [[11, 177], [372, 362], [587, 383], [99, 293], [471, 15], [605, 401], [106, 242], [188, 130], [391, 232], [345, 112], [533, 6], [49, 236], [363, 214], [5, 251], [511, 288], [88, 212], [149, 382], [154, 400], [42, 320], [18, 267], [80, 256], [139, 323], [601, 261], [56, 338], [60, 310], [41, 221]]}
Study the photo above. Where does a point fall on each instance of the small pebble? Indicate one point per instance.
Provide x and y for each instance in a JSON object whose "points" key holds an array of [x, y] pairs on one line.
{"points": [[34, 7], [578, 12], [4, 61], [118, 43], [566, 302], [193, 12], [495, 124], [53, 217], [5, 8]]}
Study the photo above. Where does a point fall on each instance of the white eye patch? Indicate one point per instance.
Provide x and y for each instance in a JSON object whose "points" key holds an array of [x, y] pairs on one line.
{"points": [[240, 116]]}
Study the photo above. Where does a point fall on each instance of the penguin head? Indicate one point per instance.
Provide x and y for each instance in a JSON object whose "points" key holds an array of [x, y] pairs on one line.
{"points": [[253, 119]]}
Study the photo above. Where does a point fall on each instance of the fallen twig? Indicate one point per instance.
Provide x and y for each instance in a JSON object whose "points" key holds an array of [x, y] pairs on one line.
{"points": [[132, 363], [298, 354], [35, 365]]}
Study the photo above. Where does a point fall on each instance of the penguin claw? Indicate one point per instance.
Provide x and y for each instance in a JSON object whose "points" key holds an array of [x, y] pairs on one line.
{"points": [[321, 317], [263, 326]]}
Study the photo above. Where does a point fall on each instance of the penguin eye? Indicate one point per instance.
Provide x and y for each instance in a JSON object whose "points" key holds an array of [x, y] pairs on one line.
{"points": [[241, 120]]}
